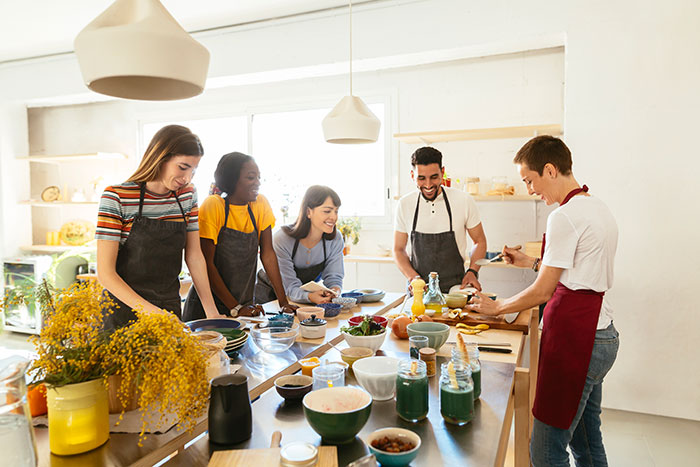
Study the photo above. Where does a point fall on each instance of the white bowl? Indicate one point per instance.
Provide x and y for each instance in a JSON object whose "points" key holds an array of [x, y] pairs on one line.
{"points": [[377, 375], [305, 312], [371, 342]]}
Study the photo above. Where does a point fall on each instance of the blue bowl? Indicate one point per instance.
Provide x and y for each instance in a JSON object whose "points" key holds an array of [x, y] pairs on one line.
{"points": [[370, 295], [356, 295], [331, 309], [213, 323], [394, 459]]}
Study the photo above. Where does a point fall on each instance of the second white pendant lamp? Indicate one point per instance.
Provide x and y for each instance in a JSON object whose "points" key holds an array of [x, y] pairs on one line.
{"points": [[136, 50], [351, 121]]}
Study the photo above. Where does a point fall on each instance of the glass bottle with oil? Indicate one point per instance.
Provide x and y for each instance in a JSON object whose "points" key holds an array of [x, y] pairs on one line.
{"points": [[434, 300]]}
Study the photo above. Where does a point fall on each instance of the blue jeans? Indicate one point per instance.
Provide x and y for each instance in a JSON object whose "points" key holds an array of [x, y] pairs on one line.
{"points": [[548, 443]]}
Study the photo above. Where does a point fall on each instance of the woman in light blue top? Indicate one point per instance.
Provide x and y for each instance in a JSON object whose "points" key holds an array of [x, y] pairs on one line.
{"points": [[310, 249]]}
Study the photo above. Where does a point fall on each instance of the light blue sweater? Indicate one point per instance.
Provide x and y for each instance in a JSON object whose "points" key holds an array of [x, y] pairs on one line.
{"points": [[332, 274]]}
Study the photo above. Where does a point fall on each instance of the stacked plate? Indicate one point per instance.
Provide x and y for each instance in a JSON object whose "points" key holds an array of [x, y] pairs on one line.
{"points": [[236, 343]]}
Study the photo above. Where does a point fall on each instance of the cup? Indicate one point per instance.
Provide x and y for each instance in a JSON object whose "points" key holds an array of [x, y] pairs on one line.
{"points": [[328, 376], [415, 343]]}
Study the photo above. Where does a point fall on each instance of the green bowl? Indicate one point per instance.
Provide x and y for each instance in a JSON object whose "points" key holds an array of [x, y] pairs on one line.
{"points": [[390, 459], [437, 333], [337, 414]]}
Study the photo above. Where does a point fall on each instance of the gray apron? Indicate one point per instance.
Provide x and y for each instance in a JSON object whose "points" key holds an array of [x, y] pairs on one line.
{"points": [[437, 252], [263, 288], [150, 262], [236, 259]]}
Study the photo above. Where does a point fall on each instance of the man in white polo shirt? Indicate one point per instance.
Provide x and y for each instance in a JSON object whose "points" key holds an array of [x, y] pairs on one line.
{"points": [[437, 220]]}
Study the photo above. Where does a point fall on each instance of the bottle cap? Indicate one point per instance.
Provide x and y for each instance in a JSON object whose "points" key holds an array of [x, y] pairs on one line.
{"points": [[427, 352]]}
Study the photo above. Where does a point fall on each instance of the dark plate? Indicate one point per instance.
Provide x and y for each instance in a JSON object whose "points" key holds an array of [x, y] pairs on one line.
{"points": [[213, 323]]}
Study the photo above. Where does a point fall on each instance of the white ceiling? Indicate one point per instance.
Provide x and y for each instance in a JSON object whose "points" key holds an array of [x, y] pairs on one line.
{"points": [[32, 28]]}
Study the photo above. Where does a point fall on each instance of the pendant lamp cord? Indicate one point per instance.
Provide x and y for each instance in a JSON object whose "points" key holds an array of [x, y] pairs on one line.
{"points": [[351, 47]]}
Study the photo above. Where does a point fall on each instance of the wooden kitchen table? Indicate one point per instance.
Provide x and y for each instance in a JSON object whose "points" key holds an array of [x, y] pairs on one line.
{"points": [[122, 448], [482, 442]]}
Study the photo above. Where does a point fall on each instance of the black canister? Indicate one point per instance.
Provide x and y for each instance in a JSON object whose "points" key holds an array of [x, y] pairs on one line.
{"points": [[230, 417]]}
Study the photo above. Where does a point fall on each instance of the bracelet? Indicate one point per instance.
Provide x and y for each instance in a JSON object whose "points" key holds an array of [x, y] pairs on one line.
{"points": [[234, 311], [536, 265], [476, 273]]}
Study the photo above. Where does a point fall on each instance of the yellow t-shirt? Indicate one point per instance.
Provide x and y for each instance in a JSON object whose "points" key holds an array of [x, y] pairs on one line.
{"points": [[211, 216]]}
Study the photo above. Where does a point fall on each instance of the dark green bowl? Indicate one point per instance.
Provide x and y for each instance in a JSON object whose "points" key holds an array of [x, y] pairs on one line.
{"points": [[337, 414]]}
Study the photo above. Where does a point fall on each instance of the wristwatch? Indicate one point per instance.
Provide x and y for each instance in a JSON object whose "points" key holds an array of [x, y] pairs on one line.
{"points": [[474, 271], [234, 311]]}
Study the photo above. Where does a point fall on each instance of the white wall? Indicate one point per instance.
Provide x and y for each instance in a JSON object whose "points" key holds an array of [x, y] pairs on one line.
{"points": [[630, 114]]}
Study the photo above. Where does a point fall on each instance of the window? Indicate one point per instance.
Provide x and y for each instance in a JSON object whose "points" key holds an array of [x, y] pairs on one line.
{"points": [[292, 155]]}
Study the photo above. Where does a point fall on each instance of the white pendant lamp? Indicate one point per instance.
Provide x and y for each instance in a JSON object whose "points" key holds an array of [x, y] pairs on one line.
{"points": [[136, 50], [351, 121]]}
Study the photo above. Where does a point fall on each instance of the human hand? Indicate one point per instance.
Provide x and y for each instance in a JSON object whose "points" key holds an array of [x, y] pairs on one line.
{"points": [[515, 257], [320, 297], [336, 290], [480, 303], [288, 308], [470, 280], [251, 310]]}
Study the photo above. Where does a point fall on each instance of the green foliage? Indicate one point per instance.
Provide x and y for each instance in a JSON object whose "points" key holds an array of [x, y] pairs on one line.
{"points": [[349, 228]]}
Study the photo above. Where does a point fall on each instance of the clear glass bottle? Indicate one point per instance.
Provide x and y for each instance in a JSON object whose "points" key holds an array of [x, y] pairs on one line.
{"points": [[456, 393], [475, 363], [412, 390], [434, 300], [16, 432]]}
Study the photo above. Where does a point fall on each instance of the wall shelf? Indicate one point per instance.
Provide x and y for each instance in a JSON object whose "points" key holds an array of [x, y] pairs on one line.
{"points": [[526, 131], [45, 248], [74, 157], [56, 204]]}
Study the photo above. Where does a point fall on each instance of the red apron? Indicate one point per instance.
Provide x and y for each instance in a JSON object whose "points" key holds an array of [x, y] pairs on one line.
{"points": [[568, 333]]}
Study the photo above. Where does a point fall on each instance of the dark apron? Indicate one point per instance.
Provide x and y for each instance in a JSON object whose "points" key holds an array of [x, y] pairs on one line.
{"points": [[236, 259], [150, 262], [263, 288], [568, 334], [437, 252]]}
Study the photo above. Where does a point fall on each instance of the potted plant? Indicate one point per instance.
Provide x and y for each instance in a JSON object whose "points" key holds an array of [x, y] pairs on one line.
{"points": [[349, 228], [155, 357]]}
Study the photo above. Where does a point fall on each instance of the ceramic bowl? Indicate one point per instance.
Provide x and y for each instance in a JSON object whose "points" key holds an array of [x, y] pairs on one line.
{"points": [[275, 340], [356, 295], [353, 354], [390, 458], [456, 300], [371, 342], [437, 333], [305, 312], [304, 384], [337, 414], [381, 320], [345, 302], [331, 309], [378, 376], [370, 295], [213, 323]]}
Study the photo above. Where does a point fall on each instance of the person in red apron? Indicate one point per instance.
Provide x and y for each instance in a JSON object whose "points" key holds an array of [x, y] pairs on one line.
{"points": [[145, 224], [579, 343], [233, 229], [437, 220]]}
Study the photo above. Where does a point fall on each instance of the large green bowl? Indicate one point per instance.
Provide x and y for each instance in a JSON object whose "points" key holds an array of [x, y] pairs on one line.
{"points": [[437, 333], [337, 414]]}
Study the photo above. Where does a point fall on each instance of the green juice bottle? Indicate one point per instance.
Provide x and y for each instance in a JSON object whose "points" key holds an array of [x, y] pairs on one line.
{"points": [[456, 393]]}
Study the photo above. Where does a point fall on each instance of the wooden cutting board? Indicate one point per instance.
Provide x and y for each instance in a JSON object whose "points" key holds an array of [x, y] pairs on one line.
{"points": [[327, 457], [496, 322]]}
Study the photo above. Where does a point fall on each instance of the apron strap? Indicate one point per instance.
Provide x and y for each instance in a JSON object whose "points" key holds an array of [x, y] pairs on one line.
{"points": [[296, 247], [141, 195], [294, 250], [570, 195], [252, 219], [227, 207], [447, 205], [184, 217]]}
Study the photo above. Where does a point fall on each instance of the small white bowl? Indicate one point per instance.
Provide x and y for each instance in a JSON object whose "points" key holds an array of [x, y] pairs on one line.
{"points": [[377, 375], [305, 312], [371, 342]]}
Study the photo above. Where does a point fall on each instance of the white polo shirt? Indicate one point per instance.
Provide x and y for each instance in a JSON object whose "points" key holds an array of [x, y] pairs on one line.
{"points": [[582, 240], [433, 218]]}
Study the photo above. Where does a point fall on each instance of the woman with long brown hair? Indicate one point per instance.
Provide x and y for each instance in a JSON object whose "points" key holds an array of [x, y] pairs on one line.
{"points": [[310, 249], [145, 224]]}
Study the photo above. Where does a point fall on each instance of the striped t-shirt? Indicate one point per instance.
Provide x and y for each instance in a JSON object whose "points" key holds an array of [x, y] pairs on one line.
{"points": [[119, 206]]}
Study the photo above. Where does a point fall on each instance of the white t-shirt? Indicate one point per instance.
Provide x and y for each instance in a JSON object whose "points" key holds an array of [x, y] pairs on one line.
{"points": [[433, 218], [582, 240]]}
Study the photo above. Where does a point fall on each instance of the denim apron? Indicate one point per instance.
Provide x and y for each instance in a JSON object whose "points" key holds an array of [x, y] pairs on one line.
{"points": [[150, 262], [236, 259], [263, 288], [437, 252]]}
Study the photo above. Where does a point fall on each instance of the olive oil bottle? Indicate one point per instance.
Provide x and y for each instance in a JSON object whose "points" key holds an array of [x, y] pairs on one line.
{"points": [[434, 300]]}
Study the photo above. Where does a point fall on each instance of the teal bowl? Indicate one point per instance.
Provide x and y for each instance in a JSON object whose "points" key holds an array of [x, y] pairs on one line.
{"points": [[337, 414], [390, 459], [437, 333]]}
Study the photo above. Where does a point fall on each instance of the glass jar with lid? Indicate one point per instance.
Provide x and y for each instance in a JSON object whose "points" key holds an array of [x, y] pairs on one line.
{"points": [[471, 359], [456, 393], [473, 185]]}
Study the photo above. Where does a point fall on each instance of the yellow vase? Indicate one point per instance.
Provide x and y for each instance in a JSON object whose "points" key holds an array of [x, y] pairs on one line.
{"points": [[78, 417]]}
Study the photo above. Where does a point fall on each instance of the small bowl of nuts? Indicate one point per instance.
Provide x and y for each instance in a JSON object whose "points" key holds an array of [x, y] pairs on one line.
{"points": [[393, 446]]}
